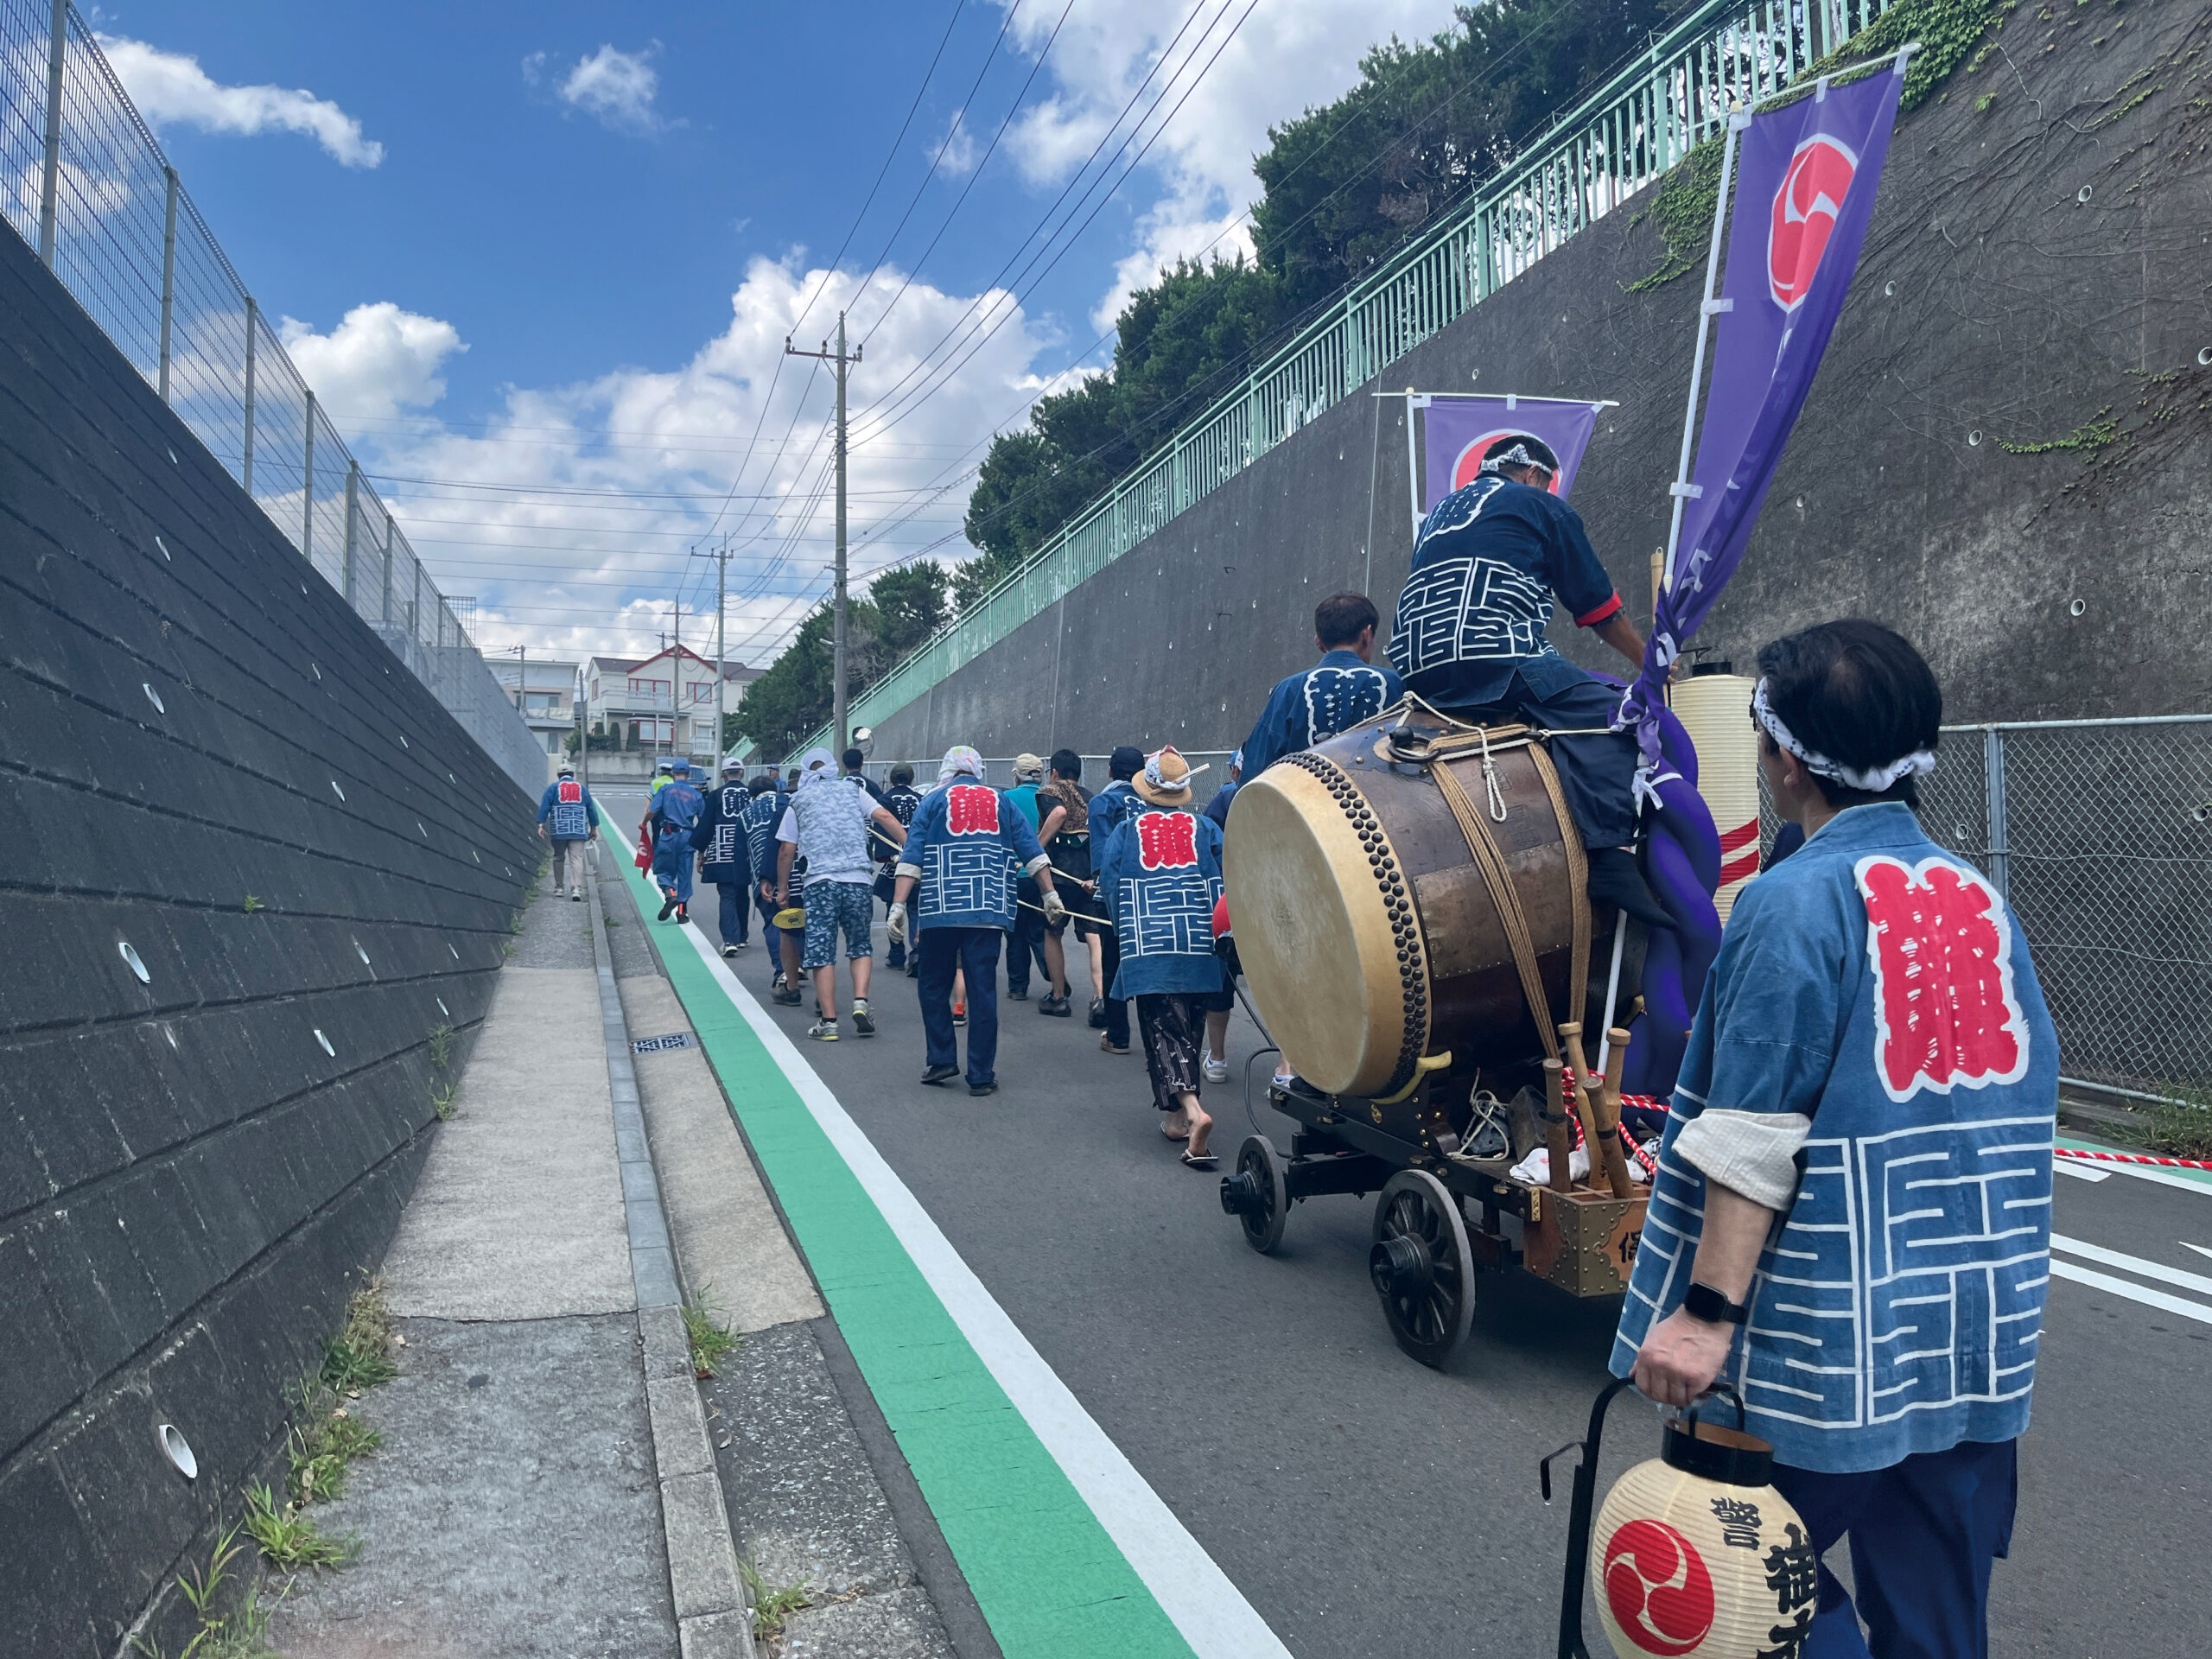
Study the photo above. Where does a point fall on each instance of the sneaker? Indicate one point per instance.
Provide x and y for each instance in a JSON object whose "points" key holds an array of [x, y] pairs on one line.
{"points": [[1108, 1044], [728, 950], [960, 1016], [1055, 1008], [1021, 996], [733, 949], [787, 999], [938, 1075], [682, 914], [1098, 1014], [1216, 1071], [913, 968], [776, 982], [668, 906], [990, 1088], [864, 1021], [576, 893], [823, 1031]]}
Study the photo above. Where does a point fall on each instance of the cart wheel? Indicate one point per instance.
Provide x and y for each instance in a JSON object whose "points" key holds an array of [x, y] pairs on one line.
{"points": [[1267, 1204], [1422, 1266]]}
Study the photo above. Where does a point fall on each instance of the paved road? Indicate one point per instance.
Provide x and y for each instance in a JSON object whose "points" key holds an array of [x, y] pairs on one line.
{"points": [[1366, 1505]]}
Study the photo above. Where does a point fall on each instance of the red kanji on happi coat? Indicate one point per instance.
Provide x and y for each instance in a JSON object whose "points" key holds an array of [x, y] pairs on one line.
{"points": [[572, 792], [1168, 840], [972, 809], [1940, 944]]}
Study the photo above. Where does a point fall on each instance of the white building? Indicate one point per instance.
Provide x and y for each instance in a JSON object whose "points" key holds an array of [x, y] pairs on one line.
{"points": [[548, 702], [664, 703]]}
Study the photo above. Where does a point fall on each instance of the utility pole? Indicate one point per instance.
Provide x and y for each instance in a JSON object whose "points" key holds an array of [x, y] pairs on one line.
{"points": [[721, 661], [675, 679], [837, 626]]}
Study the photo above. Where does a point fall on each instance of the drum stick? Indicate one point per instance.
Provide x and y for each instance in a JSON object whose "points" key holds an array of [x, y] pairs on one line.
{"points": [[1072, 915], [1586, 1090], [1556, 1140], [1609, 1115]]}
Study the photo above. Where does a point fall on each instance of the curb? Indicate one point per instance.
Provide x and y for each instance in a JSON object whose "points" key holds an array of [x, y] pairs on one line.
{"points": [[712, 1618]]}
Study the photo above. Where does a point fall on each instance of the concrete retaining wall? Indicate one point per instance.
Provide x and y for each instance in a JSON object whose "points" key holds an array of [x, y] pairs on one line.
{"points": [[190, 1182], [1993, 303]]}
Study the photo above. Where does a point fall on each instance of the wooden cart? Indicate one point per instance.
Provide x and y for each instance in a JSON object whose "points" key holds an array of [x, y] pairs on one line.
{"points": [[1441, 1216]]}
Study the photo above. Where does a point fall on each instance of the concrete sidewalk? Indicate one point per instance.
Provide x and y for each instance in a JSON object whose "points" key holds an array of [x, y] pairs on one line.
{"points": [[518, 1506]]}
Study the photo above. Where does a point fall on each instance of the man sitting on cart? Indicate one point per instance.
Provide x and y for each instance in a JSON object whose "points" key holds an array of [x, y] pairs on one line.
{"points": [[1852, 1218], [1469, 640]]}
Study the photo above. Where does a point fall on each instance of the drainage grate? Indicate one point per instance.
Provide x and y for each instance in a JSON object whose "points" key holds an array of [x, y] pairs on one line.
{"points": [[654, 1044]]}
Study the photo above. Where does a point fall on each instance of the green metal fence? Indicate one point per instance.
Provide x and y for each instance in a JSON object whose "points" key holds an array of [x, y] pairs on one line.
{"points": [[1618, 141]]}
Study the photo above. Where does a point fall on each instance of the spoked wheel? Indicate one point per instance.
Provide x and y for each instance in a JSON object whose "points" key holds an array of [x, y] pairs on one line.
{"points": [[1257, 1194], [1422, 1266]]}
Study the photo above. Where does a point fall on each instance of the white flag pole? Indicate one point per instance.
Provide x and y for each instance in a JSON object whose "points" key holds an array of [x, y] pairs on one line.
{"points": [[1413, 469], [1708, 308]]}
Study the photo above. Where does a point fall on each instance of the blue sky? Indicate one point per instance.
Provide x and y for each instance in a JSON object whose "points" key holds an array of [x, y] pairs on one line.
{"points": [[555, 248]]}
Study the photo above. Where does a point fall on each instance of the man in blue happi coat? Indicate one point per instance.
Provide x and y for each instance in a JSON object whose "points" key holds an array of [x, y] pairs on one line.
{"points": [[676, 811], [1335, 694], [568, 817], [726, 854], [1469, 637], [959, 863], [1159, 876], [1108, 808], [1851, 1219], [764, 816]]}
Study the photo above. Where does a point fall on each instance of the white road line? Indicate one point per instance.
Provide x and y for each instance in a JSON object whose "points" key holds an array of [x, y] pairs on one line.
{"points": [[2135, 1264], [2157, 1299], [2146, 1172], [2080, 1172], [2199, 1248], [1206, 1607]]}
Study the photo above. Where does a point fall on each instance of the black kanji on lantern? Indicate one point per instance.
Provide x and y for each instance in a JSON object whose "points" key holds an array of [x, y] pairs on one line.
{"points": [[1788, 1639], [1740, 1522], [1794, 1572]]}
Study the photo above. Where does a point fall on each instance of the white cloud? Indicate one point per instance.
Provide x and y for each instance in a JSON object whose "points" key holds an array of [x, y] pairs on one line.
{"points": [[1288, 56], [957, 152], [582, 571], [377, 362], [615, 88], [171, 88]]}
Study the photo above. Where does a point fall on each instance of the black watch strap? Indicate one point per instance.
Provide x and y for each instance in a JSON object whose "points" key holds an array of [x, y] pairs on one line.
{"points": [[1704, 1302]]}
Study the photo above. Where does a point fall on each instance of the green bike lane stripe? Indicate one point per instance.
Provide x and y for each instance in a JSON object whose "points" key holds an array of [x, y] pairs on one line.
{"points": [[1068, 1550]]}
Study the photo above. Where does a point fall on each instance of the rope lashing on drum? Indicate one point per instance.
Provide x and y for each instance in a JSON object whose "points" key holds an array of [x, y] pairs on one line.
{"points": [[1491, 861]]}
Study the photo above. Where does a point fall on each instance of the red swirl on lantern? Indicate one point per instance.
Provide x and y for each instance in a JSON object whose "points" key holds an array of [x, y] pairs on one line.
{"points": [[1658, 1588]]}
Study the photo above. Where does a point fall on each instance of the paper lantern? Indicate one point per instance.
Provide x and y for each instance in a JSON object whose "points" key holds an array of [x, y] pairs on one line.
{"points": [[1695, 1555], [1714, 709]]}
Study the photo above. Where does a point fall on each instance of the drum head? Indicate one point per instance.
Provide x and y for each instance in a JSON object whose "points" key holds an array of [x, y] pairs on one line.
{"points": [[1313, 932]]}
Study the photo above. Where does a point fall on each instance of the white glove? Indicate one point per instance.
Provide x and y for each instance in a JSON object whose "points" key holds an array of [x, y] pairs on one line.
{"points": [[896, 927], [1055, 910]]}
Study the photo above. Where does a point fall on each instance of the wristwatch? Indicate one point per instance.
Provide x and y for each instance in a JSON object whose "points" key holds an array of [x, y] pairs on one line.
{"points": [[1704, 1302]]}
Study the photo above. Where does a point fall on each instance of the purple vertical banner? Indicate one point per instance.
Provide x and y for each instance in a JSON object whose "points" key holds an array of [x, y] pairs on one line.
{"points": [[1805, 181], [1455, 431]]}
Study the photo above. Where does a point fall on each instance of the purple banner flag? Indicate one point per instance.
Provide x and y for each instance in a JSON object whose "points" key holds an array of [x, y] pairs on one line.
{"points": [[1456, 431], [1804, 191]]}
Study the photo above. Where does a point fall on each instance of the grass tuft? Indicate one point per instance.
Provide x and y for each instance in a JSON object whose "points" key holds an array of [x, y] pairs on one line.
{"points": [[710, 1338], [320, 1450], [2179, 1131], [359, 1356], [442, 1100], [440, 1045], [771, 1604], [252, 903], [287, 1538], [242, 1632]]}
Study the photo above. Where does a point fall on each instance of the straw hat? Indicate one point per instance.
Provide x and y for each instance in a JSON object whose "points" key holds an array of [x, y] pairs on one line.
{"points": [[1165, 780]]}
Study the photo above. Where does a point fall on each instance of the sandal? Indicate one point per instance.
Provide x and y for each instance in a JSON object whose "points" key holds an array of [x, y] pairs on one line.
{"points": [[1201, 1160], [1171, 1135]]}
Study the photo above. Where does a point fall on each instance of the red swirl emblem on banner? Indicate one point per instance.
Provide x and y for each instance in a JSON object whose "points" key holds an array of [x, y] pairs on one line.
{"points": [[971, 810], [1658, 1588], [1469, 466], [1168, 840], [1805, 210]]}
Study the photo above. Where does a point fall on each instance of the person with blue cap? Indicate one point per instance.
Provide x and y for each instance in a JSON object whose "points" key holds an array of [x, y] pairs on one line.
{"points": [[676, 810], [568, 810]]}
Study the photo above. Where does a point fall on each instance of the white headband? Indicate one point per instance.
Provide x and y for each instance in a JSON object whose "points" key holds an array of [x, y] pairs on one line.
{"points": [[1518, 456], [1874, 781]]}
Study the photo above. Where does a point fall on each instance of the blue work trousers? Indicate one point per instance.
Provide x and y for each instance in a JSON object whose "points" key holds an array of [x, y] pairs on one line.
{"points": [[1924, 1533], [672, 866], [975, 951], [1026, 944]]}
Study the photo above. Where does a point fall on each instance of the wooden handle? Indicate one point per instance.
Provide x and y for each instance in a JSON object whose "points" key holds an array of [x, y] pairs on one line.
{"points": [[1608, 1102], [1585, 1086], [1557, 1142]]}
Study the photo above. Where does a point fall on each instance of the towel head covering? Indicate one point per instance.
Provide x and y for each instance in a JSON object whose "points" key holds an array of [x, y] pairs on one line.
{"points": [[566, 771], [1165, 780], [1874, 780], [816, 764], [958, 760]]}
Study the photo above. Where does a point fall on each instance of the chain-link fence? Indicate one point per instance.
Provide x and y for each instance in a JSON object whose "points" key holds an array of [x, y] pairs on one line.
{"points": [[83, 181]]}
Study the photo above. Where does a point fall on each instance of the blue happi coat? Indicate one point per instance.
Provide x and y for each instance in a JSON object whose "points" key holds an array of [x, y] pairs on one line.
{"points": [[1874, 1059], [1159, 877], [675, 813], [1334, 695], [1473, 612], [966, 845], [761, 818], [568, 810], [720, 839]]}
